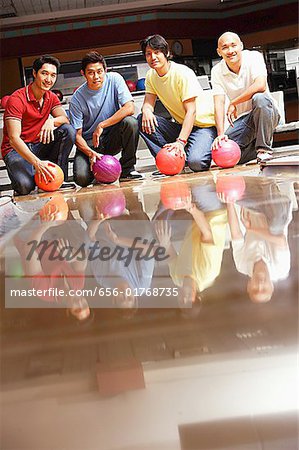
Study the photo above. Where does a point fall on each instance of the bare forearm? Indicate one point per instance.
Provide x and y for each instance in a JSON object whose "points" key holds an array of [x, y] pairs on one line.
{"points": [[19, 146], [233, 221], [247, 94], [124, 111], [187, 125], [83, 146], [60, 120]]}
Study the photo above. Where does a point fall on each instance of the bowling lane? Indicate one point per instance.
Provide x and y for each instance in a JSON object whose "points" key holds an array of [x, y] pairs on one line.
{"points": [[166, 308]]}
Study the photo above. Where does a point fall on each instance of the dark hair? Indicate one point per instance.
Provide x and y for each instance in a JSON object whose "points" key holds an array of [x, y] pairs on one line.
{"points": [[92, 57], [156, 42], [45, 59]]}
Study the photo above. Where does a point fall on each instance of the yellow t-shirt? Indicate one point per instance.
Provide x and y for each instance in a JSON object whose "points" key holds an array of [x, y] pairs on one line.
{"points": [[199, 260], [178, 85]]}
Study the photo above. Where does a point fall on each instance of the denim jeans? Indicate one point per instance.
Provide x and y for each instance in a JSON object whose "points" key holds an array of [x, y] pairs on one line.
{"points": [[21, 172], [123, 137], [255, 130], [198, 148]]}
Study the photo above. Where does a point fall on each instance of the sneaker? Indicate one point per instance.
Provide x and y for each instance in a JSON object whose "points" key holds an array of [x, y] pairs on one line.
{"points": [[263, 156], [133, 175], [157, 173]]}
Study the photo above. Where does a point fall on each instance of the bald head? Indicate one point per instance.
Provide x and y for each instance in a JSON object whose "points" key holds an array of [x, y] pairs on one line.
{"points": [[228, 35]]}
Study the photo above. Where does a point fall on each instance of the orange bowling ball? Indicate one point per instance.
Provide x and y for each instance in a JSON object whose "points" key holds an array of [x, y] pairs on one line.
{"points": [[169, 162], [56, 209], [230, 188], [51, 185], [175, 195]]}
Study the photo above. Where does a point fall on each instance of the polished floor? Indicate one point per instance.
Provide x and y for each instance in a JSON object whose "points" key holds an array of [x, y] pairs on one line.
{"points": [[153, 315]]}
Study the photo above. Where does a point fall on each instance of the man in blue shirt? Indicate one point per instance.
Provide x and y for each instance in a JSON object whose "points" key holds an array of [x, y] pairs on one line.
{"points": [[101, 112]]}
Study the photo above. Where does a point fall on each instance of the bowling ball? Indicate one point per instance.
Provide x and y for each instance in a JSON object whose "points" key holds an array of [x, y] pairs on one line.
{"points": [[4, 101], [55, 209], [140, 86], [131, 85], [58, 93], [110, 203], [175, 195], [227, 155], [107, 169], [230, 188], [168, 162], [52, 185]]}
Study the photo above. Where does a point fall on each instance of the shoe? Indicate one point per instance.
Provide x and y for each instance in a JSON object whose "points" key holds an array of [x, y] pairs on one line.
{"points": [[133, 175], [263, 156], [157, 173]]}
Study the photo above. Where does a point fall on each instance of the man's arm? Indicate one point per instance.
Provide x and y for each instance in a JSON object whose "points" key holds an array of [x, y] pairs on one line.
{"points": [[219, 112], [187, 125], [259, 85], [84, 147], [149, 121], [58, 118], [126, 110], [14, 130]]}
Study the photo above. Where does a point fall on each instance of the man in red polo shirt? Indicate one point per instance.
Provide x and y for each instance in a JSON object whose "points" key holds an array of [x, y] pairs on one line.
{"points": [[36, 129]]}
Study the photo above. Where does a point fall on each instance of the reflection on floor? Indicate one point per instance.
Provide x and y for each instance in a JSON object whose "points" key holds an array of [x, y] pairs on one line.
{"points": [[160, 314]]}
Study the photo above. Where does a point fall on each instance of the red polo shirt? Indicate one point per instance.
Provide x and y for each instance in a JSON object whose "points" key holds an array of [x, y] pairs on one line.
{"points": [[23, 106]]}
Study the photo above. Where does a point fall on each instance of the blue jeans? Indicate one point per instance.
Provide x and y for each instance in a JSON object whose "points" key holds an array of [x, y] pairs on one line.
{"points": [[255, 130], [21, 172], [198, 148]]}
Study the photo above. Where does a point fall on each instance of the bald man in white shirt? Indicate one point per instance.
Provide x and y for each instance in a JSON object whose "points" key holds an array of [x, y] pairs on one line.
{"points": [[241, 76]]}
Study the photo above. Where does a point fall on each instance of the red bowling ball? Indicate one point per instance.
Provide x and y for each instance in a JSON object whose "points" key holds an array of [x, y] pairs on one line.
{"points": [[227, 155], [51, 185], [107, 169], [175, 195], [131, 85], [230, 188], [169, 162]]}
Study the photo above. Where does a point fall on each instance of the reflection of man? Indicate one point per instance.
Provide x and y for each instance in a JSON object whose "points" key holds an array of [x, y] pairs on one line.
{"points": [[29, 134], [193, 130], [252, 114], [101, 111], [259, 252]]}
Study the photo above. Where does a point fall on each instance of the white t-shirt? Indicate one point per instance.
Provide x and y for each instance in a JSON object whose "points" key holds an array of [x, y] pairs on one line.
{"points": [[226, 82]]}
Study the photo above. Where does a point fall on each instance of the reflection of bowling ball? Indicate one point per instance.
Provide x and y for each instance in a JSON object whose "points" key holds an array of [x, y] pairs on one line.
{"points": [[175, 195], [140, 86], [110, 203], [131, 85], [58, 93], [56, 209], [52, 185], [107, 169], [169, 163], [231, 188], [227, 155], [4, 101]]}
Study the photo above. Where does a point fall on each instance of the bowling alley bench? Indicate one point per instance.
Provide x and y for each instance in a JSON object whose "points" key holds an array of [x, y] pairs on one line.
{"points": [[144, 158]]}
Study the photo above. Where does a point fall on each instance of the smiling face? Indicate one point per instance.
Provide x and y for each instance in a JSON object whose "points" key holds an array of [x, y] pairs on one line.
{"points": [[95, 75], [230, 49], [156, 60], [45, 77]]}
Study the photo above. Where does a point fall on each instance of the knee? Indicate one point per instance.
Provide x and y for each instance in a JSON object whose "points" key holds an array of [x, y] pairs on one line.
{"points": [[68, 131], [260, 101], [25, 187], [198, 166], [131, 123]]}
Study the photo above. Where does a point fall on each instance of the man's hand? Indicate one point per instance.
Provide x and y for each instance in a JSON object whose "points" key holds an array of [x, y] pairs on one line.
{"points": [[43, 170], [96, 136], [231, 114], [217, 141], [149, 122], [46, 134], [163, 232], [93, 157], [176, 147]]}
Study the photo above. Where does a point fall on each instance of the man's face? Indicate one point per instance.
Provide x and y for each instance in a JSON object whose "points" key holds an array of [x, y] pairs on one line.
{"points": [[230, 49], [94, 75], [155, 58], [45, 77]]}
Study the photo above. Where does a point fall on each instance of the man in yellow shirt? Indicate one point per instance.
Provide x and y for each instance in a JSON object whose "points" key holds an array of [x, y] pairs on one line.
{"points": [[193, 130]]}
